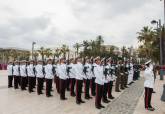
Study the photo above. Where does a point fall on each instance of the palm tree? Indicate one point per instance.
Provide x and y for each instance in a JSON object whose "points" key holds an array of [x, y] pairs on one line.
{"points": [[56, 53], [35, 54], [41, 51], [77, 47], [48, 52], [64, 50]]}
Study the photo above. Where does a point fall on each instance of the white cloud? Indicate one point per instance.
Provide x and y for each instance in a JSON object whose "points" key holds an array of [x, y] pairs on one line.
{"points": [[54, 22]]}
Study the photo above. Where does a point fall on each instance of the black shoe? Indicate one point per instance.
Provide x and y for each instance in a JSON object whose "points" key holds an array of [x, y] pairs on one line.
{"points": [[118, 91], [82, 101], [78, 102], [49, 95], [150, 109], [90, 97], [73, 95], [122, 88], [63, 99], [126, 87], [106, 101], [102, 106], [98, 107], [153, 92], [111, 97]]}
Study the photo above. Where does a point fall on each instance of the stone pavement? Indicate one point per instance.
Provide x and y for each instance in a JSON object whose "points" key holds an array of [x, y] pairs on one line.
{"points": [[127, 101], [21, 102]]}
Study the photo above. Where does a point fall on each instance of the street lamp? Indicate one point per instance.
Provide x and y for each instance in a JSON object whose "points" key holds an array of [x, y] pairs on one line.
{"points": [[158, 23], [33, 43]]}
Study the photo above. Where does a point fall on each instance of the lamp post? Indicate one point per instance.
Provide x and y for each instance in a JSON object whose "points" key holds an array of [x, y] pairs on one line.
{"points": [[33, 43]]}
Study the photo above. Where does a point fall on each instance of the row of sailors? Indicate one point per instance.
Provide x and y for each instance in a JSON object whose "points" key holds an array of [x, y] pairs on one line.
{"points": [[98, 76]]}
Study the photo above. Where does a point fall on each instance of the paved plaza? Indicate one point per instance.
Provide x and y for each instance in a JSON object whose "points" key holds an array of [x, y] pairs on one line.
{"points": [[129, 101]]}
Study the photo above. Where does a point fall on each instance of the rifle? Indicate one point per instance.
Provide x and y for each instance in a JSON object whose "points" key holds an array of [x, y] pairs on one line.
{"points": [[68, 68], [105, 70]]}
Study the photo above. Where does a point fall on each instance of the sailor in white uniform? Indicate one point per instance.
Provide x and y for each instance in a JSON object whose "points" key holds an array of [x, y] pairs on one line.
{"points": [[149, 85], [10, 74], [23, 73]]}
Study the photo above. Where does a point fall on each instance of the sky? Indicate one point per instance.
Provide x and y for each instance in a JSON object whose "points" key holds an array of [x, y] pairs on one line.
{"points": [[51, 23]]}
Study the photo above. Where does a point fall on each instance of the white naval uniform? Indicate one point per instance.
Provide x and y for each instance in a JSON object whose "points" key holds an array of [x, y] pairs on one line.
{"points": [[16, 70], [72, 73], [10, 70], [100, 78], [30, 70], [23, 71], [49, 71], [130, 75], [79, 71], [39, 71], [89, 73], [61, 71], [149, 78], [108, 78]]}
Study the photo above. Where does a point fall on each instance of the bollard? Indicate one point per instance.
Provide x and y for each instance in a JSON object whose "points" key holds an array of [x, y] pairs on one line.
{"points": [[163, 95]]}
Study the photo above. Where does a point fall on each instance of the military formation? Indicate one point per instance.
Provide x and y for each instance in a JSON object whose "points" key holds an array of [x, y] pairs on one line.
{"points": [[93, 77]]}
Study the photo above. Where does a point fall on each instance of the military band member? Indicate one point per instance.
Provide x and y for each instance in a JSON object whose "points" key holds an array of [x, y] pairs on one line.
{"points": [[31, 75], [49, 77], [79, 80], [62, 68], [112, 78], [16, 75], [40, 76], [100, 79], [88, 76], [149, 85], [10, 74]]}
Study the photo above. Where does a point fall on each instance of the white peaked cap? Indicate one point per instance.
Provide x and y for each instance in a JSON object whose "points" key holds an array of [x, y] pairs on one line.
{"points": [[148, 62]]}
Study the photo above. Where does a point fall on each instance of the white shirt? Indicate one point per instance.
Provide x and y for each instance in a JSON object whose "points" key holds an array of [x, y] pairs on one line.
{"points": [[72, 73], [100, 78], [30, 70], [61, 71], [89, 73], [39, 71], [23, 70], [49, 71], [79, 71], [149, 78], [10, 70], [16, 70]]}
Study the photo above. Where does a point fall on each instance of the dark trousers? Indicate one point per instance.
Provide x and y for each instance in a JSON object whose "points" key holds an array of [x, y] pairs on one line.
{"points": [[78, 90], [125, 80], [57, 81], [105, 91], [39, 85], [48, 87], [117, 84], [148, 96], [10, 81], [93, 86], [23, 83], [34, 82], [86, 88], [68, 84], [31, 81], [72, 85], [99, 91], [16, 82], [62, 89], [110, 85], [122, 81]]}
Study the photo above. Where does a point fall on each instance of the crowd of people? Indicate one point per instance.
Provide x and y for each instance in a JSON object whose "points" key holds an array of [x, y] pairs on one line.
{"points": [[95, 76]]}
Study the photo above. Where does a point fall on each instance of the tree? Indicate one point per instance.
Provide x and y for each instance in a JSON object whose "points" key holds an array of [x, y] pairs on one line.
{"points": [[41, 51], [48, 52], [64, 50], [77, 47]]}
